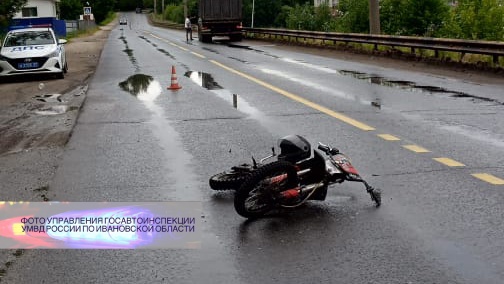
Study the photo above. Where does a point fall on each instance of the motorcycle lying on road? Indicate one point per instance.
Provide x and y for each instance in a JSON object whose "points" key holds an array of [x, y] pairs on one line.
{"points": [[295, 178]]}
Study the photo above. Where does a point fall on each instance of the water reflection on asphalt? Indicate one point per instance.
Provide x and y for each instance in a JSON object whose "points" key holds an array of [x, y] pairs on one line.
{"points": [[178, 162]]}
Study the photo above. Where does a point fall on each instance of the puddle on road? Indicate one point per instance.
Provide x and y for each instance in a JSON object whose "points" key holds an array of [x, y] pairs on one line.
{"points": [[137, 84], [311, 66], [206, 81], [475, 133], [320, 87], [412, 86], [182, 180], [232, 45]]}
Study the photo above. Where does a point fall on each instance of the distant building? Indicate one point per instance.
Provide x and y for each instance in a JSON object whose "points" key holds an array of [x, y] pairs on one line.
{"points": [[39, 9], [330, 3]]}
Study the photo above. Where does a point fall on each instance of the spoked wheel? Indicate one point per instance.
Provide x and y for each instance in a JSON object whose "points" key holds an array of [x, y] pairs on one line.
{"points": [[258, 195], [231, 179]]}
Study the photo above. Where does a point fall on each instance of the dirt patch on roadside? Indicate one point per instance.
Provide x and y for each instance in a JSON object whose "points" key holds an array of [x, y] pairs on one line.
{"points": [[37, 115], [39, 110]]}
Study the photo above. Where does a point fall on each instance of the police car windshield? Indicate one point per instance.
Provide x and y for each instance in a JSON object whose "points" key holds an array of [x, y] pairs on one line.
{"points": [[29, 38]]}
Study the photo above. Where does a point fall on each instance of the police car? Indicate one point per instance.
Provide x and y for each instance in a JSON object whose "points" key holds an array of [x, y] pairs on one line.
{"points": [[33, 50]]}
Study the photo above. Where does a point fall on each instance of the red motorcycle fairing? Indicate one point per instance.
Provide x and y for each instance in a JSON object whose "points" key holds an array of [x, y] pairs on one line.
{"points": [[345, 164]]}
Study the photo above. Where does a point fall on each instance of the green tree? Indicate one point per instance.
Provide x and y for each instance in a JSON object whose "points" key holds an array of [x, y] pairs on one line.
{"points": [[265, 12], [8, 8], [127, 5], [323, 18], [174, 13], [281, 18], [70, 9], [412, 17], [476, 19], [355, 16], [392, 14], [101, 8], [425, 17], [301, 17], [148, 3]]}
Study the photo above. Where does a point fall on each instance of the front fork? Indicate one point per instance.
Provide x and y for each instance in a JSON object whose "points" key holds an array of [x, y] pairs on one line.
{"points": [[375, 193]]}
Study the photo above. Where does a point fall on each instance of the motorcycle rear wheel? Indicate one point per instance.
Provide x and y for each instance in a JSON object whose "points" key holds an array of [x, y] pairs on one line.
{"points": [[227, 180], [257, 196], [231, 180]]}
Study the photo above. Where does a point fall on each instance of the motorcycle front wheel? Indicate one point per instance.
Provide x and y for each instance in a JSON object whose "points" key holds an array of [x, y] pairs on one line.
{"points": [[258, 194]]}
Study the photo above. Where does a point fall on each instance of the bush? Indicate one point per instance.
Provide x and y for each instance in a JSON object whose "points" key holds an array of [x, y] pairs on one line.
{"points": [[174, 13]]}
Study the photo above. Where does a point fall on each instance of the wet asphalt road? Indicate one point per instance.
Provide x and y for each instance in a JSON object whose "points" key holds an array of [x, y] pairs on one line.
{"points": [[438, 223]]}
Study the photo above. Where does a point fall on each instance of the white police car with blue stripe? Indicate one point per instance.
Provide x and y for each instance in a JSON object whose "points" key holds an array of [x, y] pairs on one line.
{"points": [[33, 50]]}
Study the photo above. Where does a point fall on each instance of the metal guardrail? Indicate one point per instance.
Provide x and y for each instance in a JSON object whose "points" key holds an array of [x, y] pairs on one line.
{"points": [[492, 48]]}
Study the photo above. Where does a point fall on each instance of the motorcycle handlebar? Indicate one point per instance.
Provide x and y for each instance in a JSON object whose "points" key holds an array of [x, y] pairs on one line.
{"points": [[323, 147], [327, 149]]}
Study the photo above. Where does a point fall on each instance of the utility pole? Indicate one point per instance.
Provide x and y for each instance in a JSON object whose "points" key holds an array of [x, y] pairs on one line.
{"points": [[155, 11], [185, 9], [162, 7], [253, 8], [374, 17]]}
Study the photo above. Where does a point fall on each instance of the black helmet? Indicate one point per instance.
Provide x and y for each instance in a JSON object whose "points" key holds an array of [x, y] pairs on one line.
{"points": [[294, 148]]}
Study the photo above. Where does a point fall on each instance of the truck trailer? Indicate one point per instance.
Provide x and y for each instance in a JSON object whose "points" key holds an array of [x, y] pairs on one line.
{"points": [[220, 18]]}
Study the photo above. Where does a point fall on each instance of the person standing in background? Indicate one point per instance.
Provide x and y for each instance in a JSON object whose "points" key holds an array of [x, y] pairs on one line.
{"points": [[188, 28]]}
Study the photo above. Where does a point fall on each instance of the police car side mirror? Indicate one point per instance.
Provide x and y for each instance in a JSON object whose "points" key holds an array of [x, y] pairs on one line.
{"points": [[62, 41]]}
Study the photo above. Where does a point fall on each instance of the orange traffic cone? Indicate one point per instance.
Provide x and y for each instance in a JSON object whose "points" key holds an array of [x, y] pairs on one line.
{"points": [[174, 84]]}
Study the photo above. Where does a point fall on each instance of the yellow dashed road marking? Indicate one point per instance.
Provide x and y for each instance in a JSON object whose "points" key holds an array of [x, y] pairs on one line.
{"points": [[416, 149], [181, 47], [197, 54], [388, 137], [299, 99], [449, 162], [489, 178]]}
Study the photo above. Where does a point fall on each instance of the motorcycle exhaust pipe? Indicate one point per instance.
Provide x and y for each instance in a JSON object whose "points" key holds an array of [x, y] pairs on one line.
{"points": [[298, 191]]}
